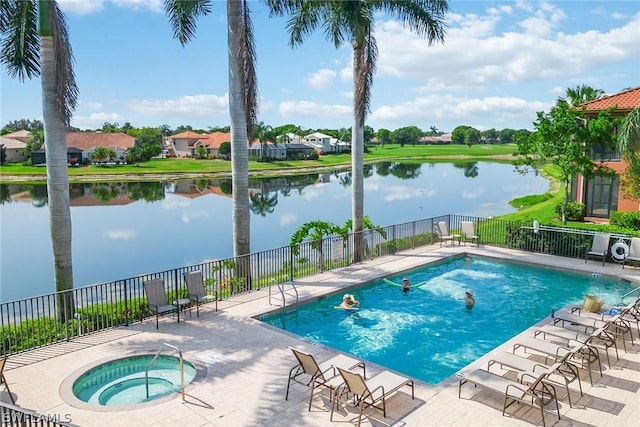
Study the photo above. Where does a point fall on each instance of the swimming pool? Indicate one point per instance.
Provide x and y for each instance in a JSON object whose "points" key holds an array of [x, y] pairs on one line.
{"points": [[429, 333]]}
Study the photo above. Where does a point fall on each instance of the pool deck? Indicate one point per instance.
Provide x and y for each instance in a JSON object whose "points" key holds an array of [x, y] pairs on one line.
{"points": [[244, 366]]}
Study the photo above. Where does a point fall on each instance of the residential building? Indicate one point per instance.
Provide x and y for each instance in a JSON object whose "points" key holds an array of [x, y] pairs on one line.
{"points": [[271, 151], [185, 144], [20, 135], [604, 194], [14, 149], [326, 144], [80, 147], [445, 138]]}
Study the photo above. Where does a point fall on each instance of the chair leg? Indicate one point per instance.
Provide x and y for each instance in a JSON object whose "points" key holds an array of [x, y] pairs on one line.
{"points": [[3, 380]]}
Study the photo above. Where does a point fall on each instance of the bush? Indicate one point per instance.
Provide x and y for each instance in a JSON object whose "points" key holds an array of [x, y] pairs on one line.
{"points": [[575, 211], [629, 220], [313, 155]]}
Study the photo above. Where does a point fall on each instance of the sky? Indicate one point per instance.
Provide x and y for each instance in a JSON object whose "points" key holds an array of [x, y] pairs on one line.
{"points": [[501, 62]]}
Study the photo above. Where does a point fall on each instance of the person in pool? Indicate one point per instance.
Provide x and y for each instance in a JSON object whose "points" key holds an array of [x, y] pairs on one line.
{"points": [[406, 285], [349, 302], [469, 299]]}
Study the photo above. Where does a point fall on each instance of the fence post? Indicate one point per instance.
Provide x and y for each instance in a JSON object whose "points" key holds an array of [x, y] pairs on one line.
{"points": [[126, 304]]}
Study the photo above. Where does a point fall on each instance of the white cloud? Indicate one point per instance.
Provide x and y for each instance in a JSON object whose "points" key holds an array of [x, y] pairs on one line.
{"points": [[287, 219], [120, 234], [189, 105], [96, 120], [81, 7], [153, 5], [468, 194], [92, 105], [310, 109], [187, 217], [399, 192], [175, 202], [321, 79]]}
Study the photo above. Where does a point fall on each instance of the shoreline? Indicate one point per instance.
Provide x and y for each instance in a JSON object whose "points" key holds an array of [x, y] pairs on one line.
{"points": [[265, 173]]}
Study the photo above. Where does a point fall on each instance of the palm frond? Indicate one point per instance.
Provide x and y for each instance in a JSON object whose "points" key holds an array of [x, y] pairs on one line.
{"points": [[66, 87], [183, 16], [19, 40], [425, 17], [247, 57]]}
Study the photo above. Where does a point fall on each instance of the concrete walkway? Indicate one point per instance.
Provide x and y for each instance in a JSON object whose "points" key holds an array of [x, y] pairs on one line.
{"points": [[243, 367]]}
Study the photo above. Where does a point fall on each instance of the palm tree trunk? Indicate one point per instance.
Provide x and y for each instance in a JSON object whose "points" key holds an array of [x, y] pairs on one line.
{"points": [[239, 147], [357, 159], [57, 181]]}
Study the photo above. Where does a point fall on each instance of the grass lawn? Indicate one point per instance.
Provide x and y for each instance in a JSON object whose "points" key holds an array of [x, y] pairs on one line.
{"points": [[418, 153]]}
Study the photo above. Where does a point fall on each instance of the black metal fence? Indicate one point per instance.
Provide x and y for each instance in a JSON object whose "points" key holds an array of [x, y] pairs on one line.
{"points": [[11, 415], [43, 320]]}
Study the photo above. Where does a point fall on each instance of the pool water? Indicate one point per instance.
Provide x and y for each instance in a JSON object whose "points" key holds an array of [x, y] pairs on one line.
{"points": [[428, 333], [122, 381]]}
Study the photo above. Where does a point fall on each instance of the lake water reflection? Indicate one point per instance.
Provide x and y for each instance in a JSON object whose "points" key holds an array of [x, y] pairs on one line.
{"points": [[127, 229]]}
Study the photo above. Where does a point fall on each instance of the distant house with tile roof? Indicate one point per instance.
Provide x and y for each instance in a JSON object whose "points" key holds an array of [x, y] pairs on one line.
{"points": [[14, 149], [326, 143], [603, 194], [185, 144], [80, 146]]}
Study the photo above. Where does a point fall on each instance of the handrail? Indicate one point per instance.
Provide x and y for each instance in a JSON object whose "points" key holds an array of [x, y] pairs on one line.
{"points": [[281, 290], [629, 293], [574, 231], [146, 372]]}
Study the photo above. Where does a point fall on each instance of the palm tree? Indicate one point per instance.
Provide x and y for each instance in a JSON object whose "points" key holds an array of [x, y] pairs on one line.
{"points": [[354, 21], [183, 15], [264, 133], [35, 42], [629, 145], [581, 94]]}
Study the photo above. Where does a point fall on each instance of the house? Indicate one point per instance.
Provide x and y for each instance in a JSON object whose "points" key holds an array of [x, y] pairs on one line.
{"points": [[445, 138], [326, 144], [298, 151], [185, 144], [604, 194], [80, 147], [20, 135], [271, 151], [14, 149]]}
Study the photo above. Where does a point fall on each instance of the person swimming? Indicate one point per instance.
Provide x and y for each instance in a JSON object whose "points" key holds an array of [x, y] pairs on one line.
{"points": [[469, 299], [349, 302], [406, 285]]}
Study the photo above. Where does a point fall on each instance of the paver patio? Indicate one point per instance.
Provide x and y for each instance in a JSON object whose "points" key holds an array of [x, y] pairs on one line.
{"points": [[243, 367]]}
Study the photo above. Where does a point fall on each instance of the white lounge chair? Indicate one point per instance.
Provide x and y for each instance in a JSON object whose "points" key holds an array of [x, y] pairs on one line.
{"points": [[371, 392], [599, 247], [634, 252], [313, 374], [530, 389], [442, 231], [469, 233]]}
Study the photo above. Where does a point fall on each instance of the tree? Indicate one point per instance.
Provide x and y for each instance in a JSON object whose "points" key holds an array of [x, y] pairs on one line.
{"points": [[264, 134], [100, 155], [183, 15], [406, 135], [384, 136], [35, 142], [581, 94], [225, 150], [628, 144], [562, 140], [354, 22], [315, 232], [263, 203], [22, 124], [35, 42]]}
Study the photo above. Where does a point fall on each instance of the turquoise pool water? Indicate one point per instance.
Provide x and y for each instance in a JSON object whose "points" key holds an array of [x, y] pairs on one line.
{"points": [[428, 333], [122, 381]]}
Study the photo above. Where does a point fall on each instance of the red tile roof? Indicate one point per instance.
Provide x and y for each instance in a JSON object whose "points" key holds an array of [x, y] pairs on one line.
{"points": [[188, 135], [626, 100]]}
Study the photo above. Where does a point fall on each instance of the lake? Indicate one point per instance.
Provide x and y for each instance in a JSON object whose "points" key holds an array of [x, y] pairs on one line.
{"points": [[126, 229]]}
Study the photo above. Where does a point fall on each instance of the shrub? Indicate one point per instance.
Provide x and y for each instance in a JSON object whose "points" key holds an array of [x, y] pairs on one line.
{"points": [[629, 220], [575, 211], [313, 155]]}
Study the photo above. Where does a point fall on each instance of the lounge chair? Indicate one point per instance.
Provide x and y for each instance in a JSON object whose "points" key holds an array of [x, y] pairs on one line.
{"points": [[197, 293], [157, 299], [320, 375], [565, 369], [371, 392], [585, 353], [468, 232], [634, 252], [599, 336], [532, 394], [599, 247], [3, 380], [616, 325], [442, 231]]}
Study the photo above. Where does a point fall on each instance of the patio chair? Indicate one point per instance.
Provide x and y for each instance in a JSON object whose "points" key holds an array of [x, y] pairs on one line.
{"points": [[634, 252], [320, 375], [468, 233], [443, 233], [157, 299], [3, 380], [563, 368], [530, 389], [599, 247], [197, 293], [371, 392]]}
